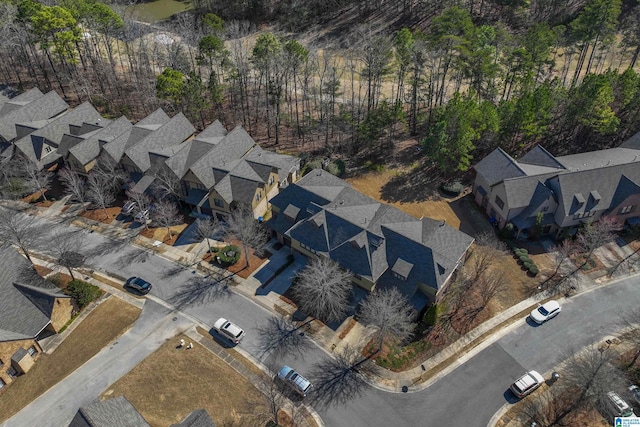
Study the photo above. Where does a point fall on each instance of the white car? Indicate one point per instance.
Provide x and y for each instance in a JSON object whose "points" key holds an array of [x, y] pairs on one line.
{"points": [[546, 311], [526, 384], [229, 330]]}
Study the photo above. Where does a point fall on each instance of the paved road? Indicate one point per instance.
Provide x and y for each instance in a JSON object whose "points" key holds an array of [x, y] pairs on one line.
{"points": [[468, 396]]}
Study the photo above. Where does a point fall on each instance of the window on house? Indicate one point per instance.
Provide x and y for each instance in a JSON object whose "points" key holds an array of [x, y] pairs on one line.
{"points": [[12, 372], [499, 202], [258, 197], [32, 351], [219, 203], [2, 383], [397, 276], [1, 362], [546, 208], [196, 186], [271, 179], [626, 209], [47, 148]]}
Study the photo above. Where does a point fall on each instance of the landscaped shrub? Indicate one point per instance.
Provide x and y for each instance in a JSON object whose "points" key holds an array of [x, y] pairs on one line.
{"points": [[527, 265], [533, 271], [431, 315], [83, 292], [524, 251], [453, 188], [524, 258], [229, 254]]}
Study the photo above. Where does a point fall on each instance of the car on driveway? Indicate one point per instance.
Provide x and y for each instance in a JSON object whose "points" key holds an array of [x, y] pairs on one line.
{"points": [[546, 311], [229, 330], [297, 382], [128, 207], [526, 384], [138, 284], [635, 392]]}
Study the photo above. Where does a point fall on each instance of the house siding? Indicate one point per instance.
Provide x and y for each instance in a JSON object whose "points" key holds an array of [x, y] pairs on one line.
{"points": [[8, 348]]}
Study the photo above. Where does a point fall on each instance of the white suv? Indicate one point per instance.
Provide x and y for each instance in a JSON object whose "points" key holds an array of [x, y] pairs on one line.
{"points": [[526, 384], [229, 330]]}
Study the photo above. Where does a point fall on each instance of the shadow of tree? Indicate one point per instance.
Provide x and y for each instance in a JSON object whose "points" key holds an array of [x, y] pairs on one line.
{"points": [[280, 336], [200, 290], [417, 185], [340, 379]]}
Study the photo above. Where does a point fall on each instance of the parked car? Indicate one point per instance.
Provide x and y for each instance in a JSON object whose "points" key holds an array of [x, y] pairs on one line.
{"points": [[142, 216], [138, 284], [229, 330], [616, 405], [635, 392], [128, 207], [297, 382], [546, 311], [526, 384]]}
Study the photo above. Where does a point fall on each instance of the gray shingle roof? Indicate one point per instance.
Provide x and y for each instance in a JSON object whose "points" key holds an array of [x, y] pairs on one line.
{"points": [[174, 132], [214, 133], [600, 159], [89, 149], [53, 133], [624, 189], [23, 307], [17, 102], [115, 412], [190, 152], [498, 166], [197, 418], [45, 107], [365, 236], [633, 142], [116, 147]]}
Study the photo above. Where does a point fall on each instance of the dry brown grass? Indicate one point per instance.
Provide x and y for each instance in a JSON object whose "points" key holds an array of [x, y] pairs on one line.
{"points": [[172, 382], [104, 324], [99, 214], [372, 183]]}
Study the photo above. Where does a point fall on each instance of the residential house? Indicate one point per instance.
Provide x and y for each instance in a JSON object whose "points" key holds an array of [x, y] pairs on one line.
{"points": [[41, 143], [86, 148], [232, 170], [30, 308], [29, 107], [382, 247], [543, 194]]}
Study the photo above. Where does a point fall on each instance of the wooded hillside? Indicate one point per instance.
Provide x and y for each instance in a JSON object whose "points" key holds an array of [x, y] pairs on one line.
{"points": [[350, 78]]}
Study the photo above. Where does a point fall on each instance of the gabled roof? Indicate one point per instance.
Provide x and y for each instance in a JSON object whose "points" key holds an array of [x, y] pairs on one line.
{"points": [[603, 180], [42, 108], [89, 149], [498, 166], [600, 159], [24, 308], [169, 134], [117, 411], [214, 133], [17, 102], [624, 189], [633, 142], [365, 236], [116, 147], [190, 152], [284, 164], [53, 132]]}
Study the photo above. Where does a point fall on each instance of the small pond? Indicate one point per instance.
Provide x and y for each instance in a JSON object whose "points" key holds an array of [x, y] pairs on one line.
{"points": [[158, 10]]}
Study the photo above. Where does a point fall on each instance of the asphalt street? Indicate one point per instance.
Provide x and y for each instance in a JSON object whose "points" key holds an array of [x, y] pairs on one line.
{"points": [[468, 396]]}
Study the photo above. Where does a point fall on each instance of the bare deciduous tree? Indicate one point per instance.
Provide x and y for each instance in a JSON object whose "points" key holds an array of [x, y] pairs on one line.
{"points": [[66, 247], [596, 234], [143, 201], [166, 184], [74, 184], [100, 192], [12, 185], [279, 336], [21, 230], [165, 213], [390, 312], [486, 252], [36, 178], [322, 290], [208, 228], [490, 286], [631, 321], [242, 225], [110, 170]]}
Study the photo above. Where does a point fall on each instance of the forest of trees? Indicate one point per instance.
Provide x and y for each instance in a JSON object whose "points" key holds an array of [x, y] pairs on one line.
{"points": [[461, 77]]}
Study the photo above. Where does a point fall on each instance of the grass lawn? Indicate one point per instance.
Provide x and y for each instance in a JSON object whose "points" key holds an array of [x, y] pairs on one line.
{"points": [[172, 382], [108, 321]]}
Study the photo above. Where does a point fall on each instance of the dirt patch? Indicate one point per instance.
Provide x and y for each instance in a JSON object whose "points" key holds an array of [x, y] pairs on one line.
{"points": [[100, 214], [42, 271], [104, 324], [161, 234], [61, 280], [172, 382], [240, 268]]}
